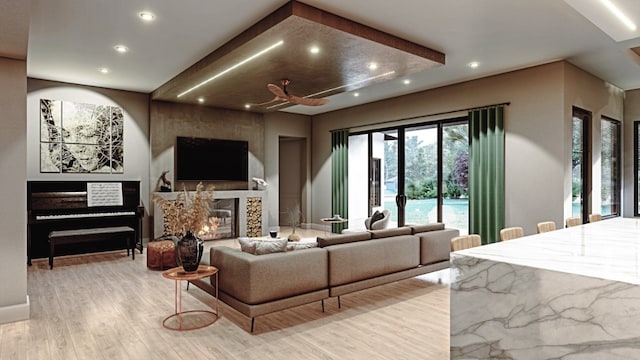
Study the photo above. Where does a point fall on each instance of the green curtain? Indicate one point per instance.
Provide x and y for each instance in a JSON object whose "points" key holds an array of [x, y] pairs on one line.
{"points": [[486, 173], [339, 177]]}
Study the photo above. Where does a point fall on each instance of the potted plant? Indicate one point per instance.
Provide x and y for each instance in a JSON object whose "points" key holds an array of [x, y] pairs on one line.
{"points": [[185, 218]]}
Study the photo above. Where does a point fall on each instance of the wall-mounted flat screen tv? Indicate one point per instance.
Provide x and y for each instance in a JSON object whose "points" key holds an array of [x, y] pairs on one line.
{"points": [[200, 159]]}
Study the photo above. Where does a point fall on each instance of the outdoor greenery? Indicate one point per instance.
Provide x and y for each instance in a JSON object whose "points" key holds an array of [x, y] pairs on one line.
{"points": [[421, 164]]}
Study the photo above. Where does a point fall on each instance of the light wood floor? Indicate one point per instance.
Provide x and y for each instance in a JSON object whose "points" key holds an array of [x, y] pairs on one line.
{"points": [[106, 306]]}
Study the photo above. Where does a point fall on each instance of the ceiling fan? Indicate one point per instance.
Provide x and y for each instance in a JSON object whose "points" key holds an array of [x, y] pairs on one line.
{"points": [[281, 94]]}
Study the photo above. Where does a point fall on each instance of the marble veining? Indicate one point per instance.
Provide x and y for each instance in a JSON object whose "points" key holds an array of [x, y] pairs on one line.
{"points": [[569, 294]]}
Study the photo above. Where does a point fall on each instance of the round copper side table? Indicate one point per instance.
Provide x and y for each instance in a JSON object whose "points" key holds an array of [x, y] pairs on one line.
{"points": [[178, 275]]}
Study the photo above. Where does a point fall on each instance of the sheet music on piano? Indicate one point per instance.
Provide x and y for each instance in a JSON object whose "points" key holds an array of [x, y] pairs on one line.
{"points": [[104, 194]]}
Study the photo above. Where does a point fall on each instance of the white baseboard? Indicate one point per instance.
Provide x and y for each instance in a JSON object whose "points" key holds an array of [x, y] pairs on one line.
{"points": [[14, 313]]}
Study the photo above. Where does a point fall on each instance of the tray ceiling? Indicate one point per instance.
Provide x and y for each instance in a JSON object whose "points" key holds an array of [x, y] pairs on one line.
{"points": [[235, 76]]}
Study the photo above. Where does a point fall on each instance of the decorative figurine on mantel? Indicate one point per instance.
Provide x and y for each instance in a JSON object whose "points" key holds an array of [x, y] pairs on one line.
{"points": [[259, 182], [166, 187]]}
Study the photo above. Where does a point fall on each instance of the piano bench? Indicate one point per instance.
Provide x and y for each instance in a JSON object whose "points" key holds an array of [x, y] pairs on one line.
{"points": [[59, 237]]}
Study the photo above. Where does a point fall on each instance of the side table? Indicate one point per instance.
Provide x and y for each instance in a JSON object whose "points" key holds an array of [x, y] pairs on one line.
{"points": [[333, 220], [178, 275]]}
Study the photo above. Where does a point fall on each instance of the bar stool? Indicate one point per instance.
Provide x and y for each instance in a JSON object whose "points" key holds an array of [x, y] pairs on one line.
{"points": [[573, 221], [594, 217], [546, 226], [465, 242], [511, 233]]}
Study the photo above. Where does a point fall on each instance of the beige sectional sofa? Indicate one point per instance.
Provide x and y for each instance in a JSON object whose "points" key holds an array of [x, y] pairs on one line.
{"points": [[256, 285]]}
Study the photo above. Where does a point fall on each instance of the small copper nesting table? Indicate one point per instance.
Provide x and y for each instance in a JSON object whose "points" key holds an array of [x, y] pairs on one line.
{"points": [[178, 275]]}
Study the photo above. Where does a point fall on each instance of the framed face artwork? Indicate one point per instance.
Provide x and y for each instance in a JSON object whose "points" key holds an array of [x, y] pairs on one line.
{"points": [[80, 138]]}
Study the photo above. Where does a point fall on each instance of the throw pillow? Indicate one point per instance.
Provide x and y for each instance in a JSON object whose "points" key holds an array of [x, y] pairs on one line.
{"points": [[300, 246], [261, 247], [377, 215]]}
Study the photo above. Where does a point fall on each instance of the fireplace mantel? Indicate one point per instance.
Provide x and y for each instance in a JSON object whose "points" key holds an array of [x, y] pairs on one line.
{"points": [[252, 210]]}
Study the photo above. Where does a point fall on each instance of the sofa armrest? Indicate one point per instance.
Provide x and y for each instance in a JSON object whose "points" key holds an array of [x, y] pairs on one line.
{"points": [[435, 245]]}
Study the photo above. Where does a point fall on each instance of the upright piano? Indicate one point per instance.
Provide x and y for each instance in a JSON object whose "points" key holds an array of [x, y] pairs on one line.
{"points": [[65, 205]]}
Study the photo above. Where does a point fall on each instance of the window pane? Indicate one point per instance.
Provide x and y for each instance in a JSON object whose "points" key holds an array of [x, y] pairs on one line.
{"points": [[421, 175], [610, 157], [576, 166], [636, 152], [455, 176]]}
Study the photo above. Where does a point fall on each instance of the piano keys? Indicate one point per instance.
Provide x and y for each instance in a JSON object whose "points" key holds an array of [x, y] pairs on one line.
{"points": [[64, 205]]}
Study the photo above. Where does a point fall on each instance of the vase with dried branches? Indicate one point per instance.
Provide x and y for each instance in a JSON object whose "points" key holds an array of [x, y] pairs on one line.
{"points": [[295, 219], [185, 218]]}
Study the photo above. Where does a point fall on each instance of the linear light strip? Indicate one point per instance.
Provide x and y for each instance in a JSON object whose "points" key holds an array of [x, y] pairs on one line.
{"points": [[355, 83], [233, 67], [337, 88], [617, 12]]}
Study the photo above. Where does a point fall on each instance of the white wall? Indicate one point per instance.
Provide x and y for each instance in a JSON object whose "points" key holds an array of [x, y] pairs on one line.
{"points": [[536, 136], [14, 302], [135, 107], [358, 180]]}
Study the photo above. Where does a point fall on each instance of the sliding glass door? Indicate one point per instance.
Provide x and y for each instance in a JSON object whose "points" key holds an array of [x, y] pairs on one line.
{"points": [[418, 172], [421, 174]]}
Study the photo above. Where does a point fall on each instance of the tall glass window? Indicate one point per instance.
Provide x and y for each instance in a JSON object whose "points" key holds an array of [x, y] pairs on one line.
{"points": [[580, 163], [610, 165], [636, 167]]}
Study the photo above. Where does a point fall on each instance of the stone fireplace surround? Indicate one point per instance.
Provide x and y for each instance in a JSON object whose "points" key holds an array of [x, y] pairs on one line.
{"points": [[252, 211]]}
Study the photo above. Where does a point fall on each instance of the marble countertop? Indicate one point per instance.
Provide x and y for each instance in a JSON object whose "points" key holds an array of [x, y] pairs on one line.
{"points": [[608, 249]]}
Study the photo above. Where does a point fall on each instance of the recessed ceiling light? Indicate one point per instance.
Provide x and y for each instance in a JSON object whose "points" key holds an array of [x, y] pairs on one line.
{"points": [[265, 50], [104, 70], [121, 49], [146, 16], [356, 94], [201, 100], [406, 81], [372, 66], [473, 64], [314, 49], [247, 106]]}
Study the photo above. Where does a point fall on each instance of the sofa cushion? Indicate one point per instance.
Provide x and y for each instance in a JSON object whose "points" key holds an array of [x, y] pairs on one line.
{"points": [[426, 227], [261, 247], [259, 279], [367, 259], [343, 238], [301, 245], [435, 246], [383, 233]]}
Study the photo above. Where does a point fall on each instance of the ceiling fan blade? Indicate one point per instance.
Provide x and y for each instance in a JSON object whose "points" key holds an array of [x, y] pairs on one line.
{"points": [[307, 101], [279, 93], [277, 98]]}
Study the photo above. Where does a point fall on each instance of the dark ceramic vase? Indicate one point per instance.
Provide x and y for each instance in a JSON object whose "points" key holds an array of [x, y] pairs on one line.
{"points": [[189, 252]]}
